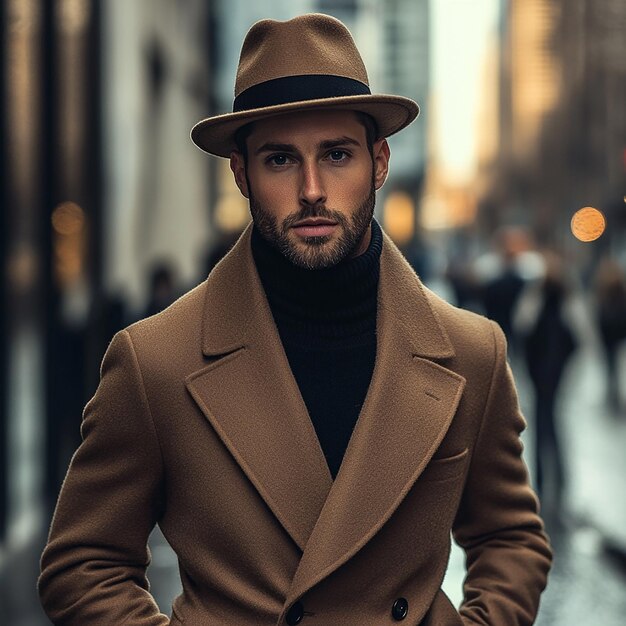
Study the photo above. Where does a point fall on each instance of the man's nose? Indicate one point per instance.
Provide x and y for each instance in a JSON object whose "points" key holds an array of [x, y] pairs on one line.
{"points": [[312, 185]]}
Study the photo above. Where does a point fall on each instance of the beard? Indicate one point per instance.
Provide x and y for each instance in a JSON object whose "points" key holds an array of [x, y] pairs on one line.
{"points": [[314, 253]]}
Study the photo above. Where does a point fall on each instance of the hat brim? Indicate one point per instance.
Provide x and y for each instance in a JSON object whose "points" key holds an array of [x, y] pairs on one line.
{"points": [[215, 135]]}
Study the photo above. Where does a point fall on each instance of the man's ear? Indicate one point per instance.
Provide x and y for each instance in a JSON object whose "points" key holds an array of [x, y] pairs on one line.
{"points": [[238, 167], [381, 154]]}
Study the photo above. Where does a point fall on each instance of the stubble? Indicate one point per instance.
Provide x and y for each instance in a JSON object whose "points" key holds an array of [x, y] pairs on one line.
{"points": [[315, 253]]}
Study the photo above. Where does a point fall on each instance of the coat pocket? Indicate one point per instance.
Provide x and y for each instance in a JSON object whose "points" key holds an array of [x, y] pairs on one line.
{"points": [[446, 468]]}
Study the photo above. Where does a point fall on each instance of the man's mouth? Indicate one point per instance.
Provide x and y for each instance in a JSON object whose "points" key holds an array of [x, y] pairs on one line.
{"points": [[315, 227]]}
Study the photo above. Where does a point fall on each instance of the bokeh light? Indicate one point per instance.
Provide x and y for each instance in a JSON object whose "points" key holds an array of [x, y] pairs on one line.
{"points": [[68, 218], [588, 224]]}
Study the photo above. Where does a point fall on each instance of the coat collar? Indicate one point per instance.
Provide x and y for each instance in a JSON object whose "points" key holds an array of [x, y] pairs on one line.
{"points": [[250, 397]]}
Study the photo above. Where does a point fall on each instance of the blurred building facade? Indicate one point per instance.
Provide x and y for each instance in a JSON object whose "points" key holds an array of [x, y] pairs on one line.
{"points": [[97, 102], [562, 120], [403, 67], [51, 210], [157, 68]]}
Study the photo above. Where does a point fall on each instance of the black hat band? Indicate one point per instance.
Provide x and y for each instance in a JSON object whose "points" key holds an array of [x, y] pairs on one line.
{"points": [[297, 89]]}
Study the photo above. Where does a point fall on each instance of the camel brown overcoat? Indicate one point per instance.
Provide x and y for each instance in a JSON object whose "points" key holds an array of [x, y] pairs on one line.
{"points": [[198, 426]]}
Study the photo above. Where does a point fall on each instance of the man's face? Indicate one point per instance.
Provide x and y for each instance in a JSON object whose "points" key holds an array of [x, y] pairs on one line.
{"points": [[311, 181]]}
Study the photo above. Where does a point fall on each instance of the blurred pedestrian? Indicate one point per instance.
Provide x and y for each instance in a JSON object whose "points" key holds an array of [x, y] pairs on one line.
{"points": [[548, 340], [464, 283], [610, 300], [504, 275], [309, 422], [162, 290], [225, 241]]}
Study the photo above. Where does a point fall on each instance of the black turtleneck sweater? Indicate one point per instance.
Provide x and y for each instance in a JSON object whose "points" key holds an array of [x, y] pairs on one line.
{"points": [[327, 323]]}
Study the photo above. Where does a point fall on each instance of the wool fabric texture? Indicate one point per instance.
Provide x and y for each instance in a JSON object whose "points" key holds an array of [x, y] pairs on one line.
{"points": [[198, 426]]}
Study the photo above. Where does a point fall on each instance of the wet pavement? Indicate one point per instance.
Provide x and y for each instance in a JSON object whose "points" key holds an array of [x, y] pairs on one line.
{"points": [[588, 582]]}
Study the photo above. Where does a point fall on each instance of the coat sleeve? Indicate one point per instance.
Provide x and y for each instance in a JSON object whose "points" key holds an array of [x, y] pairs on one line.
{"points": [[507, 552], [93, 569]]}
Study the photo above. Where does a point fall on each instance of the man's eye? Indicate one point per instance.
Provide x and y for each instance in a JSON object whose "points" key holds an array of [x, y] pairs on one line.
{"points": [[278, 159], [338, 155]]}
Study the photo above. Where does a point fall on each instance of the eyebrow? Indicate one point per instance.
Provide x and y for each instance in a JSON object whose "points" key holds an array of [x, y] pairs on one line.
{"points": [[275, 147], [324, 145], [340, 141]]}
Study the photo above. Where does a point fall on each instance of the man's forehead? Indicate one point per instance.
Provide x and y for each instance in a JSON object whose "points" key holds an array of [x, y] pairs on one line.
{"points": [[307, 123]]}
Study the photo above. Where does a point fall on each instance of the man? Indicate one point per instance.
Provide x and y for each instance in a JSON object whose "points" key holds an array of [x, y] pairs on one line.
{"points": [[309, 424]]}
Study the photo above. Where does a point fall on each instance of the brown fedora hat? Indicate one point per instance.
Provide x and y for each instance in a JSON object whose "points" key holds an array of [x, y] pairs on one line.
{"points": [[308, 62]]}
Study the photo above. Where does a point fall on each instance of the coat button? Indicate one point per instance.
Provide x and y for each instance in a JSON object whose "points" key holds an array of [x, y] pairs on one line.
{"points": [[295, 614], [400, 609]]}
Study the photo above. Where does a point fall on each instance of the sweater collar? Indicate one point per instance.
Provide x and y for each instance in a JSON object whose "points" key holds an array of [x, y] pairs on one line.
{"points": [[334, 302]]}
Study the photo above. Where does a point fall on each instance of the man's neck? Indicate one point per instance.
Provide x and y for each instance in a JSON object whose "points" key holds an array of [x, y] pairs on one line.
{"points": [[331, 302]]}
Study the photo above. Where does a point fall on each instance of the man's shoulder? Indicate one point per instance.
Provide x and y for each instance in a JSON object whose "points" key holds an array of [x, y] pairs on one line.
{"points": [[459, 331], [174, 331], [183, 310], [453, 316], [472, 335]]}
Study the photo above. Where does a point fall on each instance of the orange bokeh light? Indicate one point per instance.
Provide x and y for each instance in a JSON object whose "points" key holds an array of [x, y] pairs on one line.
{"points": [[588, 224]]}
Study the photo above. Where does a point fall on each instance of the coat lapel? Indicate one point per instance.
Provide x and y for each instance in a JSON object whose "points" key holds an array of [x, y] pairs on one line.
{"points": [[408, 409], [252, 401], [250, 397]]}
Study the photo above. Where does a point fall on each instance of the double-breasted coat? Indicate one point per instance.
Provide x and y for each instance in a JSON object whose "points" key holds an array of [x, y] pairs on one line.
{"points": [[198, 426]]}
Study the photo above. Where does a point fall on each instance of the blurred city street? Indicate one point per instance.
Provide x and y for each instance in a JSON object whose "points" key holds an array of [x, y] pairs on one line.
{"points": [[588, 581], [506, 196]]}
